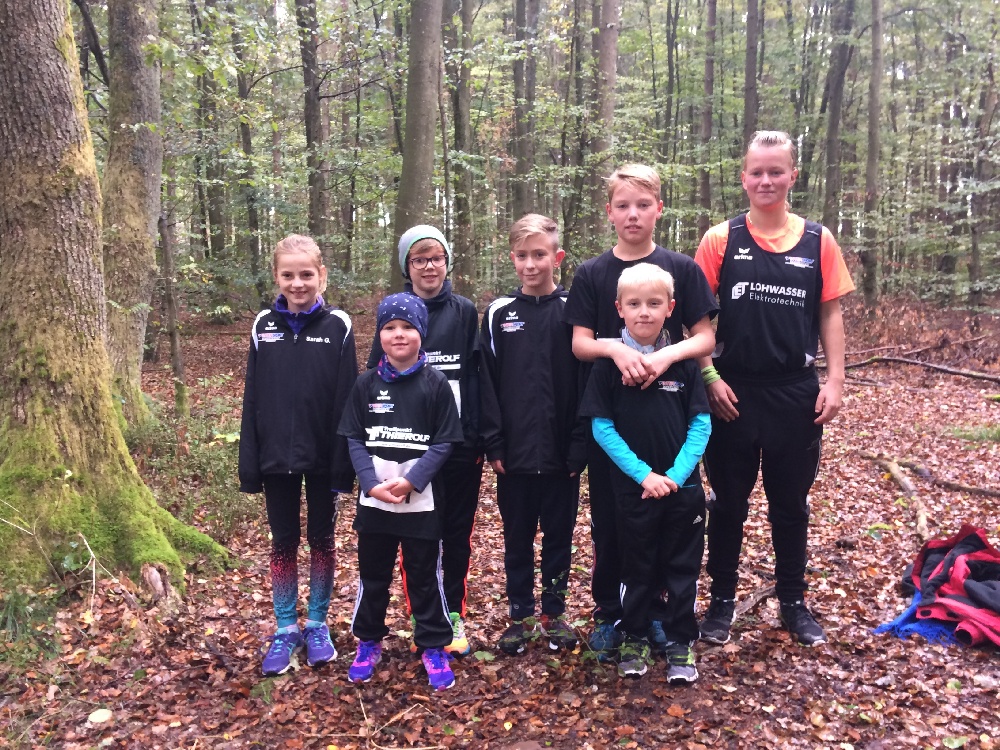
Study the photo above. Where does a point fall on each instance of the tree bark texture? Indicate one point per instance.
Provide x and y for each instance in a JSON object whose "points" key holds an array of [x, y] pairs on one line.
{"points": [[64, 466], [131, 195], [415, 182]]}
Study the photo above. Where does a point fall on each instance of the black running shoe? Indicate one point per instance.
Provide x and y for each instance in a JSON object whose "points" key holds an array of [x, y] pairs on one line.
{"points": [[718, 620], [799, 621]]}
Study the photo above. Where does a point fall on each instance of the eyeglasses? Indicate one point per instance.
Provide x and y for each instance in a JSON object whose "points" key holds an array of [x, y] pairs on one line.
{"points": [[421, 263]]}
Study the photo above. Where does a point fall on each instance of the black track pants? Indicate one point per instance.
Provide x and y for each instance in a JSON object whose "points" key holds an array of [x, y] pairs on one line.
{"points": [[774, 434]]}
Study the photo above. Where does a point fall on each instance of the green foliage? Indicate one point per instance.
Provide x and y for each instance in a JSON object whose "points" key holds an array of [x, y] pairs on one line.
{"points": [[191, 467], [982, 434]]}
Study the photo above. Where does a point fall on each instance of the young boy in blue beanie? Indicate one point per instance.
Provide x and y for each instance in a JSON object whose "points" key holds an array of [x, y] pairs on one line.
{"points": [[401, 423], [452, 347]]}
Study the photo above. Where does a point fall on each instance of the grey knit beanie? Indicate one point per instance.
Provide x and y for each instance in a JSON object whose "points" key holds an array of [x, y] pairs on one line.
{"points": [[413, 235]]}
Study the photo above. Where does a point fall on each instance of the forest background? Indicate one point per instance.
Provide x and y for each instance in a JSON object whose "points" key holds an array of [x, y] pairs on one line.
{"points": [[151, 154]]}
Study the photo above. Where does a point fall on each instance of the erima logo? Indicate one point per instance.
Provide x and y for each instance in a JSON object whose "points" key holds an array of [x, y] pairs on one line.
{"points": [[743, 253], [512, 315], [739, 289], [271, 325], [383, 396]]}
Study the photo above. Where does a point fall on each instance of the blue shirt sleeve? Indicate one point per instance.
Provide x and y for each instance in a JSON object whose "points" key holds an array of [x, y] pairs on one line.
{"points": [[618, 451], [364, 467], [699, 429], [423, 471]]}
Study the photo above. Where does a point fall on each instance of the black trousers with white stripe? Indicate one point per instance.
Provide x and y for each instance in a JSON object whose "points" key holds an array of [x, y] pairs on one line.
{"points": [[661, 541], [422, 565]]}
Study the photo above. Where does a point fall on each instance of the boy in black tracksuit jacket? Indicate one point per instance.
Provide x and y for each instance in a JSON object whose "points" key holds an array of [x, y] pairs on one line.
{"points": [[532, 436], [452, 346]]}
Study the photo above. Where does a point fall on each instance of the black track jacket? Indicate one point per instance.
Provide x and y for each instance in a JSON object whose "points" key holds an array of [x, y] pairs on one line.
{"points": [[531, 386], [295, 392]]}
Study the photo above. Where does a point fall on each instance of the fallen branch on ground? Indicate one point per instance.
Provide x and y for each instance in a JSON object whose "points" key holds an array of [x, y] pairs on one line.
{"points": [[924, 472], [929, 365], [752, 601], [909, 491]]}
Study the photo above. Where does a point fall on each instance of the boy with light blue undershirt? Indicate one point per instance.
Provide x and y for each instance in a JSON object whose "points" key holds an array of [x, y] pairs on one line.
{"points": [[654, 437]]}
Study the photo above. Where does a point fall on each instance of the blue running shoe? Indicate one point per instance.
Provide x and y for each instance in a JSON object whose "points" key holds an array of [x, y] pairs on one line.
{"points": [[319, 646], [657, 637], [282, 653], [604, 641], [439, 673], [368, 657]]}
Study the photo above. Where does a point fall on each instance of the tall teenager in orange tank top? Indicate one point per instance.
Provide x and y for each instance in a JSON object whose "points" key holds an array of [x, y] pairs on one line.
{"points": [[779, 279]]}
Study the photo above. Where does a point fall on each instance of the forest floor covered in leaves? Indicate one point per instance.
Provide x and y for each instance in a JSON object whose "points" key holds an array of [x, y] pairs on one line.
{"points": [[108, 670]]}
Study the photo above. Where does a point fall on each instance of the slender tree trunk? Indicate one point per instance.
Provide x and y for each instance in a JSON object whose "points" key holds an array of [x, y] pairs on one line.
{"points": [[64, 467], [602, 138], [525, 34], [750, 74], [869, 254], [415, 183], [705, 136], [277, 185], [982, 175], [132, 195], [843, 21], [250, 239], [305, 15], [460, 74], [168, 250]]}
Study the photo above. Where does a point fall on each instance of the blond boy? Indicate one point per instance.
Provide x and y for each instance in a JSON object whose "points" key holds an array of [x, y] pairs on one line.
{"points": [[633, 208], [654, 436]]}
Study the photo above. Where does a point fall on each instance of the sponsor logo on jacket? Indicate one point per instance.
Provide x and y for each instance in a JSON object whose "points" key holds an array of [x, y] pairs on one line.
{"points": [[402, 434]]}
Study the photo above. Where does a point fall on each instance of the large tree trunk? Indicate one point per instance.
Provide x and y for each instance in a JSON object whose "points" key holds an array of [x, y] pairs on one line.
{"points": [[414, 197], [305, 14], [869, 255], [64, 467], [131, 195]]}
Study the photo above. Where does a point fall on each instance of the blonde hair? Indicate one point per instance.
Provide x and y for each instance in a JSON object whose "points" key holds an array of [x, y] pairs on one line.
{"points": [[531, 225], [645, 275], [772, 139], [299, 243], [638, 176]]}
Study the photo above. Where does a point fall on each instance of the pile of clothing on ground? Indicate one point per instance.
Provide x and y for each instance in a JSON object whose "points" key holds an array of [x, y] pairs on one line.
{"points": [[955, 584]]}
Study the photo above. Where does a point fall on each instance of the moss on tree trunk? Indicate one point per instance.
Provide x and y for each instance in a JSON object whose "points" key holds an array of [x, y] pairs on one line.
{"points": [[64, 466]]}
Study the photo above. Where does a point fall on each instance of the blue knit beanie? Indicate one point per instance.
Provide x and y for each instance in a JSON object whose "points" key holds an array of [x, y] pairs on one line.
{"points": [[413, 235], [403, 306]]}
